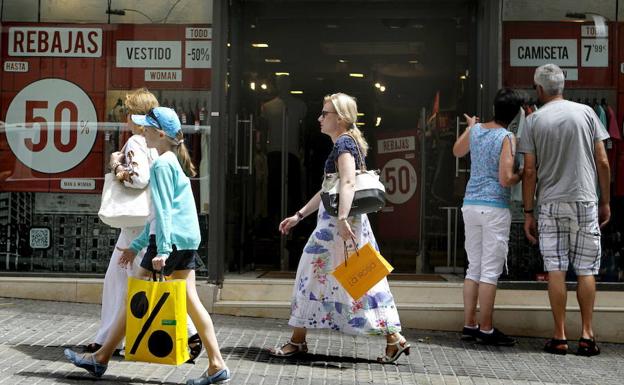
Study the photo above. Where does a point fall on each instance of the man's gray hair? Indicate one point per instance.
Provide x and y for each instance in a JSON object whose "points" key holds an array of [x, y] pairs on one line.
{"points": [[551, 78]]}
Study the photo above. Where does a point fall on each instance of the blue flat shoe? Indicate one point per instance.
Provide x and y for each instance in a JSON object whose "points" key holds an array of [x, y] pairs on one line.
{"points": [[220, 377], [89, 364]]}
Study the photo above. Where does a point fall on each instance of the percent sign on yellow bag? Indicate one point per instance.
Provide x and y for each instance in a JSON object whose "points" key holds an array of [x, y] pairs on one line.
{"points": [[156, 322], [362, 270]]}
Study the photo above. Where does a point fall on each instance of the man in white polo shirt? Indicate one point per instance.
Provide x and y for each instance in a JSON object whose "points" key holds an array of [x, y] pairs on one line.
{"points": [[565, 158]]}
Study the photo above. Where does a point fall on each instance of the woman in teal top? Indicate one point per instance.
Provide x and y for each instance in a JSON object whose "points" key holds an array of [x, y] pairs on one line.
{"points": [[172, 197], [172, 238], [486, 212]]}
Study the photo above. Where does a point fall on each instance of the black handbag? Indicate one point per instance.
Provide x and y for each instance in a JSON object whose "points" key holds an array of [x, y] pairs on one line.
{"points": [[370, 193]]}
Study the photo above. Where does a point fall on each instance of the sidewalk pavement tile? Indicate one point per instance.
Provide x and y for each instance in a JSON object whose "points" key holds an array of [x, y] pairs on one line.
{"points": [[33, 335]]}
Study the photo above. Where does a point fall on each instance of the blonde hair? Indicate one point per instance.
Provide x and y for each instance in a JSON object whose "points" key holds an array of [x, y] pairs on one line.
{"points": [[346, 108], [183, 155], [140, 101]]}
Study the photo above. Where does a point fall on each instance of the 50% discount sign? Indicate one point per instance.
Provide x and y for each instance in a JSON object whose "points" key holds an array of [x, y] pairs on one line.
{"points": [[198, 54], [51, 125]]}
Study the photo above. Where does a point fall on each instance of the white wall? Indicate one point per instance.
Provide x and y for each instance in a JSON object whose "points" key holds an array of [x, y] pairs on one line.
{"points": [[94, 11]]}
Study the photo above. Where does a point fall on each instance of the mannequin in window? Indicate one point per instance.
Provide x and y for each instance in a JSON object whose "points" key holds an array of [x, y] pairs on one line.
{"points": [[273, 112]]}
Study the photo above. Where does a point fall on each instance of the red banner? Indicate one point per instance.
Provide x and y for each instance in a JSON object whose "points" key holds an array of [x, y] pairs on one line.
{"points": [[161, 56], [51, 100], [397, 156], [583, 51], [54, 85]]}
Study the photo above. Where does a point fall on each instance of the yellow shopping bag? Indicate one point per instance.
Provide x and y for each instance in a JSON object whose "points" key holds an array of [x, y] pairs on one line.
{"points": [[156, 322], [363, 269]]}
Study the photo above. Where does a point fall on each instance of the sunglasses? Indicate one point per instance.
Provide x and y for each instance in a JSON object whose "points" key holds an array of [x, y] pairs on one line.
{"points": [[325, 113], [151, 114]]}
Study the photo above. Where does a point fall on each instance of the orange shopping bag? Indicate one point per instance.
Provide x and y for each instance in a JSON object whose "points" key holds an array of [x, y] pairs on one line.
{"points": [[363, 269]]}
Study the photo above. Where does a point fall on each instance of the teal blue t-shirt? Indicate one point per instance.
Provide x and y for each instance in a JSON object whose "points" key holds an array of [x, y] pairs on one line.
{"points": [[174, 206]]}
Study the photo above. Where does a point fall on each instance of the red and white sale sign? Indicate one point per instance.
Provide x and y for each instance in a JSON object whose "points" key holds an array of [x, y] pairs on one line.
{"points": [[51, 100], [396, 154], [51, 126], [161, 56], [582, 51], [53, 88], [55, 41]]}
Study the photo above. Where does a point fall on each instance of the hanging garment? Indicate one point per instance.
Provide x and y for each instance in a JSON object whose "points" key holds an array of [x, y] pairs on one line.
{"points": [[613, 127], [611, 143], [602, 115]]}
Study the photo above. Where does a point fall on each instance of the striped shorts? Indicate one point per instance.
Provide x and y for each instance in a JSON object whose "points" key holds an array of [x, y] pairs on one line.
{"points": [[569, 232]]}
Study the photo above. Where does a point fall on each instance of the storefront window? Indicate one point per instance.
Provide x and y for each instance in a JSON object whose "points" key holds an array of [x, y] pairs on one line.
{"points": [[409, 65], [67, 67], [415, 69], [584, 39]]}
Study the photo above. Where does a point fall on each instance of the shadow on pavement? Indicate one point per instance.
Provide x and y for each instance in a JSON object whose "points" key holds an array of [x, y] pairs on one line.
{"points": [[62, 377], [263, 355], [55, 353], [51, 353]]}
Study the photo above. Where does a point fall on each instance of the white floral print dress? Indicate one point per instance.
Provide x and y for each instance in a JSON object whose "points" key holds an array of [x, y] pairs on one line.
{"points": [[319, 301]]}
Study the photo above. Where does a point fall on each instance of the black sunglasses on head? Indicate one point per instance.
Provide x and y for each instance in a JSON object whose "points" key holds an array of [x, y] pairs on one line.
{"points": [[151, 114]]}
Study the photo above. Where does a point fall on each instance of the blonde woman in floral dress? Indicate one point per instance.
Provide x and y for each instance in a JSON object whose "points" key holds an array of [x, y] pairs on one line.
{"points": [[319, 301]]}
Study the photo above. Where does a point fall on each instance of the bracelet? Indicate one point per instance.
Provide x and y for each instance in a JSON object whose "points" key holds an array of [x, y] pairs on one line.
{"points": [[299, 215], [114, 167], [342, 218], [529, 211]]}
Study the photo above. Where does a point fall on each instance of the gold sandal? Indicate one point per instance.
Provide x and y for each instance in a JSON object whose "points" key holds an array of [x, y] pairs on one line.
{"points": [[403, 347], [302, 348]]}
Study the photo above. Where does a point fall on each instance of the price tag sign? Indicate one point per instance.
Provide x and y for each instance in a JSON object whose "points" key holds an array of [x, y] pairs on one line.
{"points": [[594, 52], [198, 54]]}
